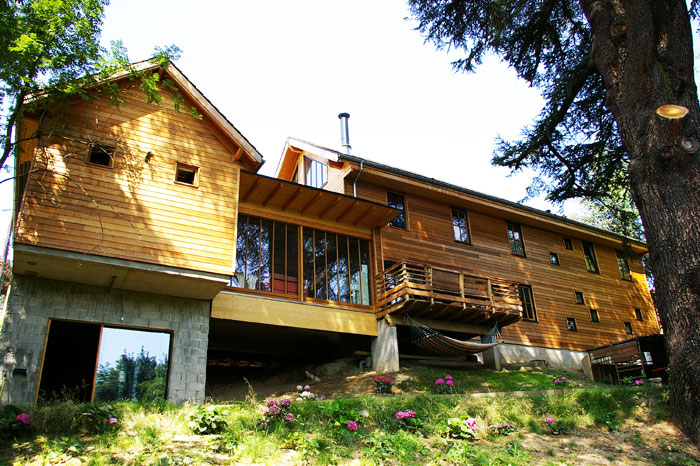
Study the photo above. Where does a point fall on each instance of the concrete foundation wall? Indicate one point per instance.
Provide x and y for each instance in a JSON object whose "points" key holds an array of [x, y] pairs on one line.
{"points": [[518, 354], [32, 302]]}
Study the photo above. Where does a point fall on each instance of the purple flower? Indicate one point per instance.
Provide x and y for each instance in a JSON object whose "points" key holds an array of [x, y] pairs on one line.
{"points": [[112, 420], [289, 417], [439, 381], [352, 425], [550, 420], [322, 397], [306, 387], [449, 382], [272, 402], [273, 410], [285, 402], [22, 419]]}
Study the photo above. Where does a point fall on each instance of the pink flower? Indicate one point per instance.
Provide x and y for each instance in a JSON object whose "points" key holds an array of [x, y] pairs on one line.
{"points": [[471, 422], [449, 382], [289, 417], [557, 381], [352, 425], [563, 379], [273, 410], [272, 402], [112, 420], [448, 377], [405, 414], [439, 381], [379, 379], [388, 380], [285, 402], [22, 419], [639, 382], [306, 387], [550, 420]]}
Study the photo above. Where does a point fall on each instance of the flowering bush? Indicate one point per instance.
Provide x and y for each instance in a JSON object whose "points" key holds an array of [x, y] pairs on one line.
{"points": [[383, 385], [22, 419], [502, 429], [352, 425], [99, 418], [13, 420], [462, 427], [408, 420], [305, 394], [277, 411], [341, 413], [556, 427], [560, 380], [445, 385]]}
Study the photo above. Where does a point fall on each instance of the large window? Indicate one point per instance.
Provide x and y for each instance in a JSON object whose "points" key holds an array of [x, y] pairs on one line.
{"points": [[397, 201], [515, 238], [316, 173], [266, 256], [336, 267], [460, 226], [623, 266], [528, 303], [589, 257]]}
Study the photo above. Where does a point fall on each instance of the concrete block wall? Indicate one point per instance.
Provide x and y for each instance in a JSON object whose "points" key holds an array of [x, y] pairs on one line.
{"points": [[33, 301], [508, 353]]}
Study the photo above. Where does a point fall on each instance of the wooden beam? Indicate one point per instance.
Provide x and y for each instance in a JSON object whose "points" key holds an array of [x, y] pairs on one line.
{"points": [[438, 325], [330, 207], [272, 194], [238, 153], [251, 190], [313, 199], [364, 214], [291, 199], [346, 211]]}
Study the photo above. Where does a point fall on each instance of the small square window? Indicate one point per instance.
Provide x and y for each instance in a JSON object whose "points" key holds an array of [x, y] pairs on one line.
{"points": [[568, 244], [638, 314], [101, 154], [571, 324], [594, 315], [186, 174], [628, 328], [554, 258], [579, 297]]}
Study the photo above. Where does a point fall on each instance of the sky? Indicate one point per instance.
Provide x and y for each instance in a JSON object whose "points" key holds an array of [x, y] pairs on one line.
{"points": [[278, 68]]}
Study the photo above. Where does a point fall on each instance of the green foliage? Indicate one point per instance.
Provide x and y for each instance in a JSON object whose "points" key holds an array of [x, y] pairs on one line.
{"points": [[139, 377], [98, 418], [208, 420], [340, 412], [10, 426], [399, 447], [462, 427]]}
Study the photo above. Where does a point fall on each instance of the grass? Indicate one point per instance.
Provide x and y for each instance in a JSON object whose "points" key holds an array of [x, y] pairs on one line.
{"points": [[159, 434]]}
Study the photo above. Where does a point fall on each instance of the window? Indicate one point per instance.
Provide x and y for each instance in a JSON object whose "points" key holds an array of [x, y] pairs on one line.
{"points": [[628, 328], [266, 256], [568, 244], [316, 173], [528, 303], [579, 297], [623, 266], [638, 314], [515, 238], [397, 201], [554, 258], [460, 226], [101, 154], [336, 267], [589, 257], [186, 174], [594, 315], [571, 324]]}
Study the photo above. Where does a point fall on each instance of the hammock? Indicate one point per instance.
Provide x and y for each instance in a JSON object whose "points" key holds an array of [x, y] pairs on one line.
{"points": [[435, 342]]}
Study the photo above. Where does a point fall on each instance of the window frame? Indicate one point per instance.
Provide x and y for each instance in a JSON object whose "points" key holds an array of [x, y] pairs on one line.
{"points": [[554, 258], [623, 265], [568, 244], [108, 149], [595, 316], [628, 328], [466, 231], [591, 261], [638, 314], [510, 228], [569, 326], [403, 209], [187, 167], [577, 294], [526, 290], [309, 162]]}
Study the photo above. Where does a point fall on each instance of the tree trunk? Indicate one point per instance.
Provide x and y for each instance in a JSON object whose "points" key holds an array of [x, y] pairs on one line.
{"points": [[643, 50]]}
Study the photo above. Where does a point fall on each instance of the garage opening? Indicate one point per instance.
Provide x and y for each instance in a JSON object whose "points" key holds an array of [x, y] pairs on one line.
{"points": [[90, 362]]}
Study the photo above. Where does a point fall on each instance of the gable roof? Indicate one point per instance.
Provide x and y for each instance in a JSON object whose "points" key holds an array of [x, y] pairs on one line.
{"points": [[508, 208]]}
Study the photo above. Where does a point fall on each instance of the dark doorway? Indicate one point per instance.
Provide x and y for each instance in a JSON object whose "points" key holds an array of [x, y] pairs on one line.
{"points": [[69, 361]]}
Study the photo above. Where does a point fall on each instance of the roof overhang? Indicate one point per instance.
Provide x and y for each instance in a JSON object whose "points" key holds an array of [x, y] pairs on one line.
{"points": [[293, 148], [279, 197]]}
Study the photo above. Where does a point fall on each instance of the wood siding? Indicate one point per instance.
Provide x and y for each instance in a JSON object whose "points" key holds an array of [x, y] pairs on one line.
{"points": [[134, 209], [429, 239]]}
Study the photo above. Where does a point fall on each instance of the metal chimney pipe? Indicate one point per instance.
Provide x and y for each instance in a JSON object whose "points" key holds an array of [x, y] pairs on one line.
{"points": [[344, 132]]}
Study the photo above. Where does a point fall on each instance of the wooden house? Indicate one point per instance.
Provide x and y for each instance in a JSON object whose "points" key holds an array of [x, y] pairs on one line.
{"points": [[136, 221]]}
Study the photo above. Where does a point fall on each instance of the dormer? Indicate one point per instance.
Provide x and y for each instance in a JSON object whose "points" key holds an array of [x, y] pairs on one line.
{"points": [[312, 165]]}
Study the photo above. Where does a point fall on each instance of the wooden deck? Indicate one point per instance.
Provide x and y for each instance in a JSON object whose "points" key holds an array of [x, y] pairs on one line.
{"points": [[435, 293]]}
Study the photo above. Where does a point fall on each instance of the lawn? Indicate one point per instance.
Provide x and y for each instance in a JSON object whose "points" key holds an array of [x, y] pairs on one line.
{"points": [[589, 425]]}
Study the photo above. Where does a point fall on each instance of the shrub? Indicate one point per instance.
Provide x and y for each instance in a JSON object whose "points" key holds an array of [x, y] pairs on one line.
{"points": [[208, 420], [277, 412], [97, 418], [383, 385], [341, 413], [444, 385], [462, 428], [408, 420], [502, 429], [556, 427]]}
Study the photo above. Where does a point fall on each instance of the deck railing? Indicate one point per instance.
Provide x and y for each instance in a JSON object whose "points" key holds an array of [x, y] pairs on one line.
{"points": [[410, 280]]}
